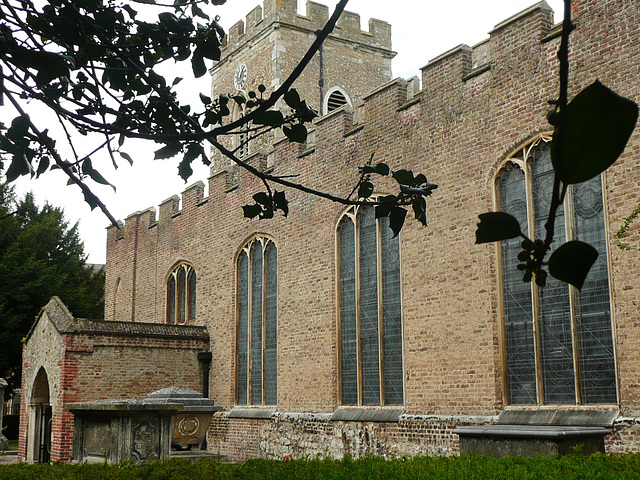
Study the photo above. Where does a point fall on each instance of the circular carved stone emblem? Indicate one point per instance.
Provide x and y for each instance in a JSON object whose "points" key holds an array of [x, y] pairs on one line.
{"points": [[240, 78], [188, 426]]}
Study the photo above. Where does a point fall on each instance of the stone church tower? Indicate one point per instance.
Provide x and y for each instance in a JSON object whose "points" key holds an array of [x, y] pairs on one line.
{"points": [[266, 47]]}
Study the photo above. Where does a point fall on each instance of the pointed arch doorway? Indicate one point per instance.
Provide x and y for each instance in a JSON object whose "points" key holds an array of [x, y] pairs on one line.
{"points": [[40, 441]]}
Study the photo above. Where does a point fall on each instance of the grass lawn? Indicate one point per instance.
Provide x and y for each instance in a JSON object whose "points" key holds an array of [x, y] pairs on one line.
{"points": [[596, 467]]}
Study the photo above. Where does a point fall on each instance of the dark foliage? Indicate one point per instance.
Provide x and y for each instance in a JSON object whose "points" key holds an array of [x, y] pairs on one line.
{"points": [[41, 255]]}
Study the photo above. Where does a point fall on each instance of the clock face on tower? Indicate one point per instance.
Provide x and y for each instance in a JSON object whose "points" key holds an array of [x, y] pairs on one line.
{"points": [[240, 78]]}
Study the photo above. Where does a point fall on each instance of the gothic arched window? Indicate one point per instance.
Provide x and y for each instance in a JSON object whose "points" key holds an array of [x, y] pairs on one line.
{"points": [[558, 341], [181, 294], [257, 328], [370, 310]]}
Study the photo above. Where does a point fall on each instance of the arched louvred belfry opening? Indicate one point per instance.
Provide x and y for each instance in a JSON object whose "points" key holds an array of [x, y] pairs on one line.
{"points": [[240, 141], [334, 99], [558, 341], [41, 418]]}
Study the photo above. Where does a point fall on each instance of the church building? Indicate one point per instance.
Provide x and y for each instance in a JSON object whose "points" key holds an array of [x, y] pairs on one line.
{"points": [[327, 335]]}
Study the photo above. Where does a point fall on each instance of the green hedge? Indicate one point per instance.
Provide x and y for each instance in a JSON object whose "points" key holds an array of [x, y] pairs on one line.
{"points": [[596, 467], [12, 424]]}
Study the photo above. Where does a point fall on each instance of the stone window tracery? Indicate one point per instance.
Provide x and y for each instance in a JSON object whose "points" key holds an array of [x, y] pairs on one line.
{"points": [[257, 323], [558, 341], [370, 311], [181, 294]]}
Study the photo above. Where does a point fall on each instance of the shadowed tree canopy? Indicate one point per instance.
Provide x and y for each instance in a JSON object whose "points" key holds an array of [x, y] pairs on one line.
{"points": [[41, 255]]}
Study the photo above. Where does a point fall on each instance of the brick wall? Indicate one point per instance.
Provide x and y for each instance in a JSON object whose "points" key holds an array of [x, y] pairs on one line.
{"points": [[457, 130], [83, 363]]}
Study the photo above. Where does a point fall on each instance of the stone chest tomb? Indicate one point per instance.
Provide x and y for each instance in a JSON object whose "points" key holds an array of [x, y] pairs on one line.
{"points": [[139, 430]]}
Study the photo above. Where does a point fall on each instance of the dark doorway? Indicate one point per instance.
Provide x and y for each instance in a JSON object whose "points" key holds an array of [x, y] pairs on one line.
{"points": [[41, 402], [44, 434]]}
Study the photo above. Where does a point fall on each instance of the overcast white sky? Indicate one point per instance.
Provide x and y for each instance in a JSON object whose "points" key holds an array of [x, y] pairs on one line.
{"points": [[421, 30]]}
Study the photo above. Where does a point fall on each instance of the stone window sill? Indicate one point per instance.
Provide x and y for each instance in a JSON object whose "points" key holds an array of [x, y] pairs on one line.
{"points": [[251, 412], [351, 414]]}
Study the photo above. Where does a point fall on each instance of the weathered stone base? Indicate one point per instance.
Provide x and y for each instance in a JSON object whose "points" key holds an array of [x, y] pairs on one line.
{"points": [[625, 436], [315, 435]]}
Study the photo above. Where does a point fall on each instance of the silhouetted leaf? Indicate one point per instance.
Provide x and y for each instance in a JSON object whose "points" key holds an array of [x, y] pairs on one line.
{"points": [[262, 198], [396, 220], [420, 179], [90, 199], [197, 64], [17, 167], [251, 211], [496, 226], [184, 169], [43, 165], [197, 12], [292, 98], [127, 157], [204, 99], [97, 177], [267, 212], [280, 202], [168, 151], [420, 210], [210, 48], [365, 190], [597, 125], [426, 190], [404, 177], [380, 169], [386, 205], [305, 112], [193, 151], [572, 261], [296, 133], [270, 118]]}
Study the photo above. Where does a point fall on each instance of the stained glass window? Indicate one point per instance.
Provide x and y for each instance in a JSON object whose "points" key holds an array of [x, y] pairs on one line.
{"points": [[181, 294], [370, 311], [546, 329], [257, 314]]}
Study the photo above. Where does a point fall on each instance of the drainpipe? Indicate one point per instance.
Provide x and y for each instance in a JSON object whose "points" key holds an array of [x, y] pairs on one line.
{"points": [[321, 79]]}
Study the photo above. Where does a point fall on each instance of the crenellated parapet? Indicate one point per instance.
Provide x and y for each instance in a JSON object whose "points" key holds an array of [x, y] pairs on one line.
{"points": [[285, 12], [446, 81], [529, 28]]}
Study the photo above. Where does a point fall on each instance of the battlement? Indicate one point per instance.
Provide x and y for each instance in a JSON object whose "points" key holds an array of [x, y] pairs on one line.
{"points": [[285, 12], [446, 80], [532, 26]]}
